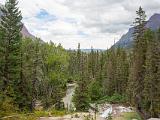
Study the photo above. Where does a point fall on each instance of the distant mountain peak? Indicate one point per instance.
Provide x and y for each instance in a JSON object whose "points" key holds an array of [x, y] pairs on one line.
{"points": [[126, 40], [154, 22], [155, 15], [26, 33]]}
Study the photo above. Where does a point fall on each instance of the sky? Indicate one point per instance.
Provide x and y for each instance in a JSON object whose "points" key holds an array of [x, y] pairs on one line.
{"points": [[92, 23]]}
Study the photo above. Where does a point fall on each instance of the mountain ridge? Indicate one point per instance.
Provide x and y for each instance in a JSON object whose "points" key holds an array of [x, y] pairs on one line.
{"points": [[126, 41]]}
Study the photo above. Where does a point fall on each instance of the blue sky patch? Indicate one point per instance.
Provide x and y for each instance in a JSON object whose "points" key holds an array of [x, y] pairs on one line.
{"points": [[44, 15], [81, 33]]}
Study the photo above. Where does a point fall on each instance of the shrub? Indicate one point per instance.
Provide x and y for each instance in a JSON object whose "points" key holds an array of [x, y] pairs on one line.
{"points": [[58, 112], [41, 113], [7, 107], [115, 98]]}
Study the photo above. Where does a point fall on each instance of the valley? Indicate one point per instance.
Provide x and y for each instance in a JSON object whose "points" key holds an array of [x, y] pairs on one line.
{"points": [[44, 79]]}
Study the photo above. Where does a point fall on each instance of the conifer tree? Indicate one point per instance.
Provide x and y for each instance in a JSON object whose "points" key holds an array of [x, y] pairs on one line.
{"points": [[79, 59], [139, 57], [10, 49], [151, 81], [121, 74], [81, 97]]}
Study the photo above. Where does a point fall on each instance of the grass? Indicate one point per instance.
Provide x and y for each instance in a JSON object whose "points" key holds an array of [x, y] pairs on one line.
{"points": [[36, 115], [128, 116], [21, 117]]}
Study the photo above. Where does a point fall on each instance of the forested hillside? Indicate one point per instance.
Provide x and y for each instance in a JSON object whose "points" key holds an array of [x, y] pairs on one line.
{"points": [[32, 70]]}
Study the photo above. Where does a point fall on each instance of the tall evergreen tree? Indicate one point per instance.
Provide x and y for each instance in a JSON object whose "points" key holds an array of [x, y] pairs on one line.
{"points": [[121, 74], [10, 49], [151, 81], [139, 57], [81, 97]]}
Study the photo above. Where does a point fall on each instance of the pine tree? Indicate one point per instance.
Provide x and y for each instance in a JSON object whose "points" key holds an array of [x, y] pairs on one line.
{"points": [[110, 82], [121, 74], [157, 59], [10, 49], [81, 97], [93, 64], [139, 57], [79, 59], [151, 90]]}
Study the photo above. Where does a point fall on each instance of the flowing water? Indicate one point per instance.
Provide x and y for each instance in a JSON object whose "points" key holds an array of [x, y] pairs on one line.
{"points": [[69, 96]]}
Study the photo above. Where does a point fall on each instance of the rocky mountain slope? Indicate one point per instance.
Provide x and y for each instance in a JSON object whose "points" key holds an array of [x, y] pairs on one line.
{"points": [[126, 40], [26, 33]]}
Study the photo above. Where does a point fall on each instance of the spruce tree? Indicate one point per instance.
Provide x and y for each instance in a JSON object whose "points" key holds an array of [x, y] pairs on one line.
{"points": [[151, 81], [81, 97], [139, 57], [110, 82], [78, 59], [121, 71], [10, 49]]}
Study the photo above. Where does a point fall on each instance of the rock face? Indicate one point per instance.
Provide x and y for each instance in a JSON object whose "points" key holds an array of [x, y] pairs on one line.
{"points": [[26, 33], [126, 40], [154, 22]]}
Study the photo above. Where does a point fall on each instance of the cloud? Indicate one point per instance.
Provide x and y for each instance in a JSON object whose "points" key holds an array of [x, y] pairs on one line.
{"points": [[45, 16], [96, 23]]}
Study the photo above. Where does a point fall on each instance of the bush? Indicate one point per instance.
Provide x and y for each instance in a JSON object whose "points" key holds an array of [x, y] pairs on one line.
{"points": [[7, 107], [95, 90], [58, 112], [41, 113], [115, 98]]}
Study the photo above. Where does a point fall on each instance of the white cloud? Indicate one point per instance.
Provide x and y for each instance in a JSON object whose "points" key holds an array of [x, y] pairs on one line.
{"points": [[94, 23]]}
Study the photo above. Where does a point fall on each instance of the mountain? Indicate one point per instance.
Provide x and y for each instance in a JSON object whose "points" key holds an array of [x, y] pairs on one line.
{"points": [[88, 50], [126, 40], [24, 31]]}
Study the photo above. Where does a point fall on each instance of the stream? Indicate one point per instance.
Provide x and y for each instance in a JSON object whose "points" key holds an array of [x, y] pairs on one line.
{"points": [[104, 109], [68, 104]]}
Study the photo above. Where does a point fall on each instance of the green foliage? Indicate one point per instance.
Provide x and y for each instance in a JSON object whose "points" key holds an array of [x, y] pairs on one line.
{"points": [[48, 113], [10, 51], [81, 100], [129, 116], [58, 112], [22, 117], [116, 98], [144, 71], [139, 57], [109, 117], [41, 113], [87, 118], [7, 107], [32, 70], [95, 90]]}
